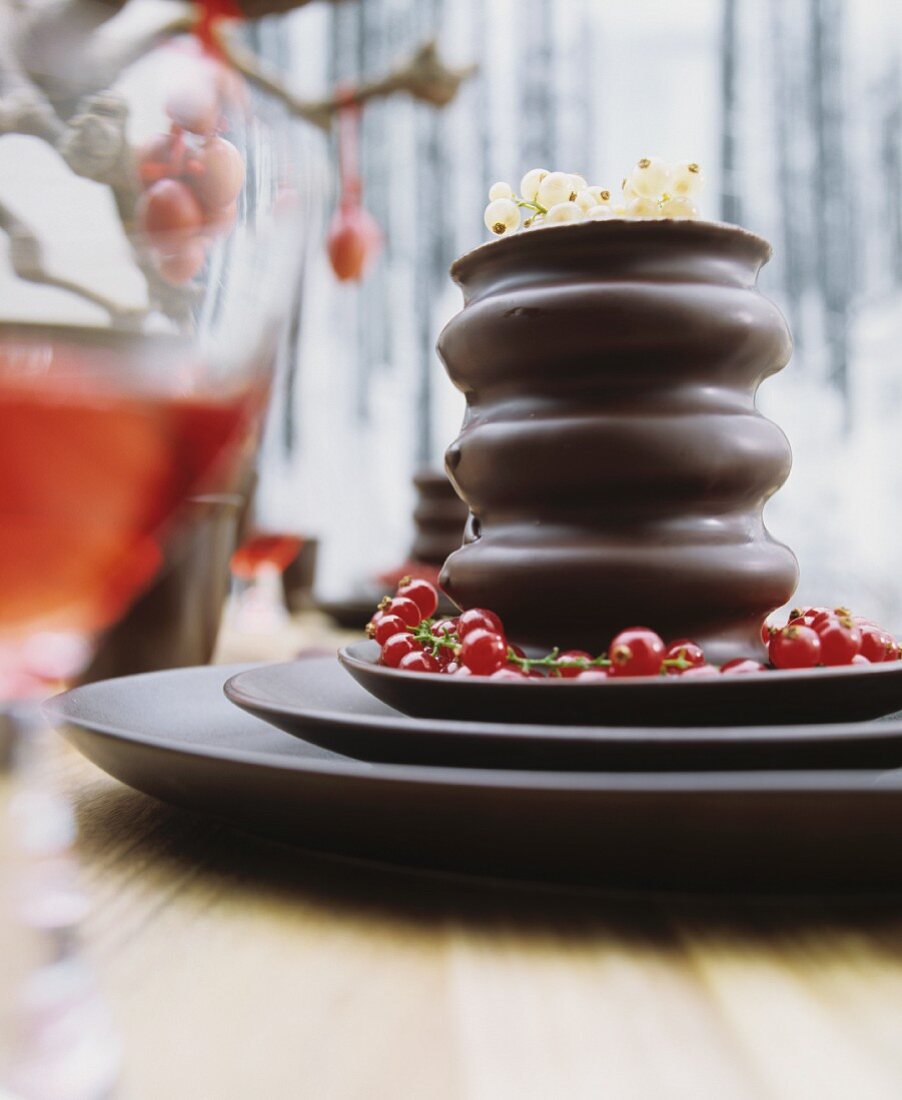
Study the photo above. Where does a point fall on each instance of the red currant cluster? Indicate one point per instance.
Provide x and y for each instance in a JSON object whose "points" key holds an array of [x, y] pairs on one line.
{"points": [[828, 636], [191, 179], [474, 644]]}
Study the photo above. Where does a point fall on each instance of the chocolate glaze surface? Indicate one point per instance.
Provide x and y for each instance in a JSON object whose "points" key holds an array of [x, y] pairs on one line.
{"points": [[612, 457], [439, 517]]}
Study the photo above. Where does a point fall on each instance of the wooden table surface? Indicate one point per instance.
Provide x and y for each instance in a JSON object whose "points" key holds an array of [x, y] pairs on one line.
{"points": [[240, 968]]}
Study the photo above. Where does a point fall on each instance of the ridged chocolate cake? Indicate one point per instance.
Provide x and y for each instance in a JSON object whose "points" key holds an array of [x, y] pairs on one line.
{"points": [[612, 457], [439, 517]]}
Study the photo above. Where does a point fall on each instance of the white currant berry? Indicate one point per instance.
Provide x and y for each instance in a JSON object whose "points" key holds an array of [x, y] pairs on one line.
{"points": [[502, 216], [678, 206], [642, 207], [529, 185], [555, 188], [650, 177], [686, 179], [593, 196], [585, 199], [600, 213], [563, 212], [579, 182], [619, 211], [500, 191]]}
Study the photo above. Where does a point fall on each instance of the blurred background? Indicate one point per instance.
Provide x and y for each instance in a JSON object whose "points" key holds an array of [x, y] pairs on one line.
{"points": [[794, 110], [792, 107]]}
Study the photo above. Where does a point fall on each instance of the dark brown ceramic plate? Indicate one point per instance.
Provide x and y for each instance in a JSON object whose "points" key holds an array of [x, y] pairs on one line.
{"points": [[851, 694], [314, 699], [175, 736]]}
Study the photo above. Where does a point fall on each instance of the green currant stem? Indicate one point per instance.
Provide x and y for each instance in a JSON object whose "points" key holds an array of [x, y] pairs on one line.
{"points": [[423, 634], [552, 661], [539, 209]]}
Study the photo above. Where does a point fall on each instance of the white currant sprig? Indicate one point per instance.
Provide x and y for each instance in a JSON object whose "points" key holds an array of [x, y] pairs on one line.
{"points": [[654, 189]]}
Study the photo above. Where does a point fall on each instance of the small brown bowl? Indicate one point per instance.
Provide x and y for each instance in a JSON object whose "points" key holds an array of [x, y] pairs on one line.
{"points": [[850, 694]]}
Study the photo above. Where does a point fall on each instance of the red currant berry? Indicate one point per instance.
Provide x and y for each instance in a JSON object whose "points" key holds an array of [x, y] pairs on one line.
{"points": [[483, 652], [444, 627], [444, 655], [592, 676], [387, 626], [508, 674], [419, 662], [876, 644], [169, 214], [477, 618], [806, 613], [637, 651], [840, 641], [579, 661], [741, 666], [820, 615], [794, 647], [221, 174], [398, 646], [699, 672], [405, 609], [183, 263], [685, 650], [423, 595]]}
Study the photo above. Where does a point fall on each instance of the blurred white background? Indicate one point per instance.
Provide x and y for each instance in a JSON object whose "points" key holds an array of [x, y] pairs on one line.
{"points": [[794, 109]]}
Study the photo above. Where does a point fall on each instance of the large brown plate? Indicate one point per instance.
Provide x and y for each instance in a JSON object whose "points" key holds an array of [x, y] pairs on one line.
{"points": [[175, 736]]}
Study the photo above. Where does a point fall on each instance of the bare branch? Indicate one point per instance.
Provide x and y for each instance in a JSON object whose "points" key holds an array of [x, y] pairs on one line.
{"points": [[27, 260], [424, 75], [24, 109], [71, 48], [94, 143]]}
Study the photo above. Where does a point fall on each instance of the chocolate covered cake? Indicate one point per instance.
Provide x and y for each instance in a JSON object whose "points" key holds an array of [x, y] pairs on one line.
{"points": [[612, 456]]}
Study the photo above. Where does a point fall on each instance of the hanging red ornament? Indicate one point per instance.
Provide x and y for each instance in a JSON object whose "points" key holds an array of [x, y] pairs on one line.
{"points": [[354, 237], [354, 240], [208, 86], [211, 11]]}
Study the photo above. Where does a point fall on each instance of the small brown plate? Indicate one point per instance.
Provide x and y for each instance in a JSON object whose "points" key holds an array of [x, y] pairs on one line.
{"points": [[314, 699], [851, 694]]}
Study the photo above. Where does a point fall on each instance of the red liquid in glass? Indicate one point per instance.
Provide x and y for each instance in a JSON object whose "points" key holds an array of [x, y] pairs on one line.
{"points": [[277, 550], [94, 463]]}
